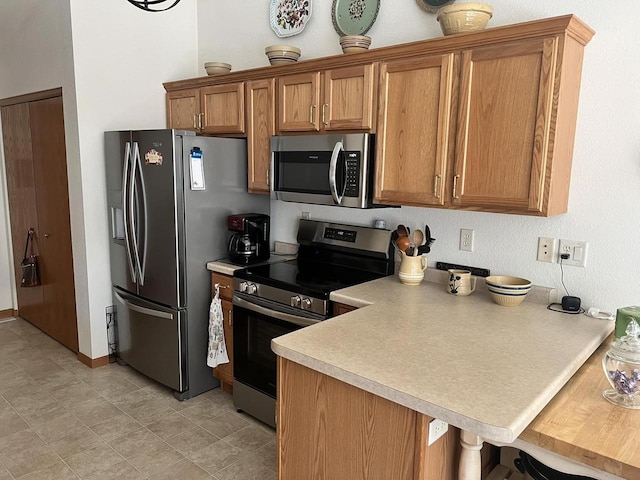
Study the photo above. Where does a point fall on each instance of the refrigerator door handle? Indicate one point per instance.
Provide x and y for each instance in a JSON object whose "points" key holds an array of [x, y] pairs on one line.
{"points": [[143, 310], [133, 209], [143, 244], [125, 194]]}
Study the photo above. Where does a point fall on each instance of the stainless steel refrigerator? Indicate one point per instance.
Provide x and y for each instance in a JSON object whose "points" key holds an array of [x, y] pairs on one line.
{"points": [[169, 195]]}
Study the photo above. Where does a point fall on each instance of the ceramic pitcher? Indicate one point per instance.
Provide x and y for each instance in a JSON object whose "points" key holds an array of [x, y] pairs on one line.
{"points": [[412, 269]]}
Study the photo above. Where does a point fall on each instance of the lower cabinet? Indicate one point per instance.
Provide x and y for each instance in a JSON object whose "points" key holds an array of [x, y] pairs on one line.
{"points": [[224, 372], [328, 429], [340, 308]]}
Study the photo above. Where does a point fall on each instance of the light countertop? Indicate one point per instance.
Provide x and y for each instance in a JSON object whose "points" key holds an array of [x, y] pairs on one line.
{"points": [[482, 367]]}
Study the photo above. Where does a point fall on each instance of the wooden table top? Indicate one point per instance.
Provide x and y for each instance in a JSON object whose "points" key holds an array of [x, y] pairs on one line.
{"points": [[580, 424]]}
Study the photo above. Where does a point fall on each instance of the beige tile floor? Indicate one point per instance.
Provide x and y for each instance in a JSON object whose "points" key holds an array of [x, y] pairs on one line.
{"points": [[62, 420]]}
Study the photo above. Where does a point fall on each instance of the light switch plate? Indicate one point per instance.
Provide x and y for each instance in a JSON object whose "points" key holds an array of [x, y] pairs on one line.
{"points": [[577, 251]]}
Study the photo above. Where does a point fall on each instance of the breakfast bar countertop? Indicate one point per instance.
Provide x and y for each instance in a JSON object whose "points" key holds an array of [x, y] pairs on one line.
{"points": [[482, 367]]}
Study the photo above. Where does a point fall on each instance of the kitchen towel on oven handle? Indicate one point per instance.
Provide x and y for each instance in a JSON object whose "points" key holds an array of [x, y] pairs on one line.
{"points": [[217, 351]]}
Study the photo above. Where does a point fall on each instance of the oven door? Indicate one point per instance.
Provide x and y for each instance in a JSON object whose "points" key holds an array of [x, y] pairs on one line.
{"points": [[255, 324]]}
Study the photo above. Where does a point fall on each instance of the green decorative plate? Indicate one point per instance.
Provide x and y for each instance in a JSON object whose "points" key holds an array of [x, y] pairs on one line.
{"points": [[354, 17], [432, 6]]}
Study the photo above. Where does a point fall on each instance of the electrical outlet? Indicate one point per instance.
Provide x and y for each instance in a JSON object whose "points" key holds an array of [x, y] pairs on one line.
{"points": [[466, 239], [437, 428], [546, 249], [577, 251]]}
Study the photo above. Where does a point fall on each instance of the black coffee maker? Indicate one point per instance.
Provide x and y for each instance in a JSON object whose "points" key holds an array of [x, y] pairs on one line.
{"points": [[250, 243]]}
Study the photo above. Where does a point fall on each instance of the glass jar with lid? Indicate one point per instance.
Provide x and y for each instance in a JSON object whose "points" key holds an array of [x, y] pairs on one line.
{"points": [[622, 368]]}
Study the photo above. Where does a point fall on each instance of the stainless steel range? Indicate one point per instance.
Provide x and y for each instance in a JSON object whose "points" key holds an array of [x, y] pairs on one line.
{"points": [[276, 299]]}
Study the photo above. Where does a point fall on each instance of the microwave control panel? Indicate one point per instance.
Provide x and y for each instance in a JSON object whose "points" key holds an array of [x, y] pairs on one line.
{"points": [[352, 188]]}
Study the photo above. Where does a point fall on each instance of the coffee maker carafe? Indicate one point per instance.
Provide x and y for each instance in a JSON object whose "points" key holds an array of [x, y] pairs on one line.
{"points": [[250, 243]]}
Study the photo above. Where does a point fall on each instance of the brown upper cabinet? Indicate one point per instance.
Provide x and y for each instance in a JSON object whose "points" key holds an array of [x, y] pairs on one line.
{"points": [[414, 127], [478, 121], [215, 109], [503, 151], [261, 124], [335, 99]]}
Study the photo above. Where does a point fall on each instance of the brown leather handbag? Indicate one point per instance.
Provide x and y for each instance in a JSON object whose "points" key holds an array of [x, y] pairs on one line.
{"points": [[30, 276]]}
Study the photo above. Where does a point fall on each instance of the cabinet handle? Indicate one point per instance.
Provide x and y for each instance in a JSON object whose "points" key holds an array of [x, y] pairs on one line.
{"points": [[46, 235], [324, 106], [231, 318], [195, 121], [436, 181], [268, 177], [455, 186], [311, 109], [200, 115]]}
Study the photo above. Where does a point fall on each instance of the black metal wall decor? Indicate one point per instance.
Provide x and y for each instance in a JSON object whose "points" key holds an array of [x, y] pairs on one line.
{"points": [[153, 5]]}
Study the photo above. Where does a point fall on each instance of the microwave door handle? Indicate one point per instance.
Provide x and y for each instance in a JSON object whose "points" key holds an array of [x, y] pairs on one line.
{"points": [[333, 167]]}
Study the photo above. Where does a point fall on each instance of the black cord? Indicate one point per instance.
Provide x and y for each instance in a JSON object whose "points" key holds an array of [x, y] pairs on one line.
{"points": [[560, 310], [562, 276]]}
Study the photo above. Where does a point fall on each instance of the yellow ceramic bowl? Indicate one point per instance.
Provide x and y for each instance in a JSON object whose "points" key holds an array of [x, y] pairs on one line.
{"points": [[464, 17]]}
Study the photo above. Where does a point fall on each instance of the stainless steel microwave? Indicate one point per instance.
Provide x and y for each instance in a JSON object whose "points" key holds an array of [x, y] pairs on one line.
{"points": [[324, 169]]}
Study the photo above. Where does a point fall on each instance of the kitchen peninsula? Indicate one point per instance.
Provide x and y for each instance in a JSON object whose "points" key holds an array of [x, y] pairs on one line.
{"points": [[412, 354]]}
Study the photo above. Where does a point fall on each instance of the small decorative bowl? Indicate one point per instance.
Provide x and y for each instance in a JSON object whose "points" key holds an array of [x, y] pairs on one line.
{"points": [[355, 43], [217, 68], [281, 54], [464, 17], [508, 291]]}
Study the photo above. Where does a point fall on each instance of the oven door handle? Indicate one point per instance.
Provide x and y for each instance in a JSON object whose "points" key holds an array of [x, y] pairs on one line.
{"points": [[285, 317]]}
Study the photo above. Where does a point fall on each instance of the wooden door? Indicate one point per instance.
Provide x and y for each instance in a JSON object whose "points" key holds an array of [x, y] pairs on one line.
{"points": [[54, 228], [35, 158], [223, 108], [261, 124], [298, 102], [506, 100], [21, 190], [183, 109], [414, 129], [349, 95]]}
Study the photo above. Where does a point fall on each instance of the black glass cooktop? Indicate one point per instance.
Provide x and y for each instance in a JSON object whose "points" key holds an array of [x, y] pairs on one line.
{"points": [[306, 278]]}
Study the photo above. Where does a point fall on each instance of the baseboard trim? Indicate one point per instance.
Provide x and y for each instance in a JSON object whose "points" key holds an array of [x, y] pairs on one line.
{"points": [[93, 362], [9, 312]]}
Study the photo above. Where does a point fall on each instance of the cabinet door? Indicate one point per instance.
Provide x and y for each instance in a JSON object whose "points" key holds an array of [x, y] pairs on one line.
{"points": [[223, 108], [224, 371], [183, 108], [298, 102], [348, 98], [261, 124], [506, 100], [414, 130]]}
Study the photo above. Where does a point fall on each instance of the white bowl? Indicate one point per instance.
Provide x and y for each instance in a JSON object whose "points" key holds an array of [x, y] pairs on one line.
{"points": [[217, 68]]}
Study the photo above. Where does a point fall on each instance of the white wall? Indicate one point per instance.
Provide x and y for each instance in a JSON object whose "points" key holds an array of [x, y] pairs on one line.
{"points": [[111, 59], [605, 185]]}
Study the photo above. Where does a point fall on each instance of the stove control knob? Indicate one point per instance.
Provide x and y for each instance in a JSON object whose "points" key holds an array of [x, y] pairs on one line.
{"points": [[243, 286], [306, 303], [251, 288], [295, 301]]}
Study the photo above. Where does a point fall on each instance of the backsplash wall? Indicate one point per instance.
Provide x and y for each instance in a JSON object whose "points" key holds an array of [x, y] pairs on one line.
{"points": [[605, 183]]}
